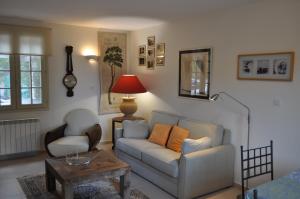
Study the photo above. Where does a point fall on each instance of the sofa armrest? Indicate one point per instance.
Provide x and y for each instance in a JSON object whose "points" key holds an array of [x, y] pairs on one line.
{"points": [[204, 171], [94, 134], [118, 133], [53, 135]]}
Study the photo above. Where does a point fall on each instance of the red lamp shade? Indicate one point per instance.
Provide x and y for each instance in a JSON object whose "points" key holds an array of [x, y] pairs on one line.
{"points": [[128, 84]]}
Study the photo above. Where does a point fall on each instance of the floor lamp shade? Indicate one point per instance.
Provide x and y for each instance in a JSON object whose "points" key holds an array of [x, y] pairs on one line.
{"points": [[128, 84]]}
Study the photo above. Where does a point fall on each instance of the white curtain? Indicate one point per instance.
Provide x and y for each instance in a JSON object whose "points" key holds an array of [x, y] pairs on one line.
{"points": [[25, 40]]}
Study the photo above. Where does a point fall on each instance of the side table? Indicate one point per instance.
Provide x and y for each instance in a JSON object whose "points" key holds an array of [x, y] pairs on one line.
{"points": [[120, 120]]}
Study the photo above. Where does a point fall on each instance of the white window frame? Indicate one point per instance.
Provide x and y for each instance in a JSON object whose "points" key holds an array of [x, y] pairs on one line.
{"points": [[15, 75]]}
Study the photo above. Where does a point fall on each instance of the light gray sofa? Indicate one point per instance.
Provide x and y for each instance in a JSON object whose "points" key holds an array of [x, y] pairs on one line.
{"points": [[183, 176]]}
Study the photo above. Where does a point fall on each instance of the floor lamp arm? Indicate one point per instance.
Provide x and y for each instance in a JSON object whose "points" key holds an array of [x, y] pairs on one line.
{"points": [[249, 114]]}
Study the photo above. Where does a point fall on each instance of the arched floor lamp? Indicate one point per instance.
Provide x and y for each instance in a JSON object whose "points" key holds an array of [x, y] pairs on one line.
{"points": [[215, 97]]}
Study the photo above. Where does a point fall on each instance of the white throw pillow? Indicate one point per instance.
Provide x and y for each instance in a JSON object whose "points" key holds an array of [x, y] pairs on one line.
{"points": [[191, 145], [135, 129]]}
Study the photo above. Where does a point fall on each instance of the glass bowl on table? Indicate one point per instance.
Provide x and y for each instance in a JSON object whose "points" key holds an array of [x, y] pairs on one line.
{"points": [[75, 159]]}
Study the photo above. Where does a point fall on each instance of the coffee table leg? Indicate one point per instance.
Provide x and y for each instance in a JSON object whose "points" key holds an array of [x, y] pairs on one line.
{"points": [[50, 180], [124, 185], [67, 191]]}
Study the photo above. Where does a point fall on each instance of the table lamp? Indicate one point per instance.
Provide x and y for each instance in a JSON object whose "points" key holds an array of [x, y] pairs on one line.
{"points": [[128, 84]]}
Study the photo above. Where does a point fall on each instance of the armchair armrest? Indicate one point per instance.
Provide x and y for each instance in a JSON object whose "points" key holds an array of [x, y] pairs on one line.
{"points": [[54, 135], [204, 171], [94, 134]]}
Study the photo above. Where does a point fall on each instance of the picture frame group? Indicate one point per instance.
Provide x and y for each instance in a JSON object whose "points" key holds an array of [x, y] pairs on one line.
{"points": [[152, 54], [277, 66]]}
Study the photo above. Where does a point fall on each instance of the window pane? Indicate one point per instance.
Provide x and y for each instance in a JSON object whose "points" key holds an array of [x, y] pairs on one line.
{"points": [[4, 62], [25, 62], [25, 96], [36, 79], [5, 97], [36, 63], [37, 95], [25, 79], [4, 79]]}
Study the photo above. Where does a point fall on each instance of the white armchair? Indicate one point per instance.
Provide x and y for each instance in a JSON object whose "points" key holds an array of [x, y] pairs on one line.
{"points": [[80, 133]]}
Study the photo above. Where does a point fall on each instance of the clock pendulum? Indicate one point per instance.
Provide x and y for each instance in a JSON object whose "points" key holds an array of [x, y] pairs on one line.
{"points": [[69, 79]]}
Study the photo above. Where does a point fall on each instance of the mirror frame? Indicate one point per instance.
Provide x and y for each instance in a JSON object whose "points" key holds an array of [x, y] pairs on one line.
{"points": [[208, 62]]}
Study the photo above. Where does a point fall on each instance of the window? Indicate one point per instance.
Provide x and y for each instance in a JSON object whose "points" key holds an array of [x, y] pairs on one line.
{"points": [[23, 70], [5, 81], [30, 89], [31, 79]]}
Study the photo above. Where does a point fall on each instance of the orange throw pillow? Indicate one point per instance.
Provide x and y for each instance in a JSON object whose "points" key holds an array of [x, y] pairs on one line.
{"points": [[176, 138], [160, 134]]}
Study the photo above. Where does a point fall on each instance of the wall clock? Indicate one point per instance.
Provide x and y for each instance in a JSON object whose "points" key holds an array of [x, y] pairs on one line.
{"points": [[69, 79]]}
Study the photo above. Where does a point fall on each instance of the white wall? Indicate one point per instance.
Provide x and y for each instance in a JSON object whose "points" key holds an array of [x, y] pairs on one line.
{"points": [[266, 26], [87, 91]]}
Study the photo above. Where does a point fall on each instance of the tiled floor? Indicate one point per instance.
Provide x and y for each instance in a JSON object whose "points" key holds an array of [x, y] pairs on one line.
{"points": [[11, 169]]}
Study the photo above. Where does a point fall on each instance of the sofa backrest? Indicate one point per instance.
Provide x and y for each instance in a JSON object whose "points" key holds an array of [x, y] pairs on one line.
{"points": [[203, 129], [163, 118]]}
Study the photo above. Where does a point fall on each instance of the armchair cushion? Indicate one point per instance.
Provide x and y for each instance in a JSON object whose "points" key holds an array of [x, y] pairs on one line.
{"points": [[79, 120], [135, 129], [68, 145]]}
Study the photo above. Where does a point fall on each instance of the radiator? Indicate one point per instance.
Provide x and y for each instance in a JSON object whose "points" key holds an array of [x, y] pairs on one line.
{"points": [[19, 137]]}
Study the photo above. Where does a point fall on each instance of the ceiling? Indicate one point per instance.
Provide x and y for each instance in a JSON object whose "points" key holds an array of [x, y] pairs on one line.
{"points": [[113, 14]]}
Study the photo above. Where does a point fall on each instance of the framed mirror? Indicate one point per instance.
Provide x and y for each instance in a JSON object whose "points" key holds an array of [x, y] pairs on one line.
{"points": [[194, 73]]}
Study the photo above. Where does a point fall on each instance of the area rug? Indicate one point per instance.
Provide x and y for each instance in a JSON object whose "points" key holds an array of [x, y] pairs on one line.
{"points": [[34, 187]]}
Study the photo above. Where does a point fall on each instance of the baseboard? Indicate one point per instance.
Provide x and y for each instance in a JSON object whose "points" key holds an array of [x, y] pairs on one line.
{"points": [[19, 155], [105, 142], [237, 185]]}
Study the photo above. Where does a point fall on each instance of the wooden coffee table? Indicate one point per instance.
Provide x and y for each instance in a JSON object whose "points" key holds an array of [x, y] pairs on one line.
{"points": [[103, 165]]}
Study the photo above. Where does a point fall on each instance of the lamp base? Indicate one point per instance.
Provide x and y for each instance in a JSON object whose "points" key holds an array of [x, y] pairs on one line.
{"points": [[128, 106]]}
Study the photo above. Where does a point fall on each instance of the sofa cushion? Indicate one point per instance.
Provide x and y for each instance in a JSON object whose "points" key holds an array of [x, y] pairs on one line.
{"points": [[201, 129], [162, 159], [160, 134], [176, 138], [191, 145], [134, 147], [69, 145], [135, 129], [163, 118]]}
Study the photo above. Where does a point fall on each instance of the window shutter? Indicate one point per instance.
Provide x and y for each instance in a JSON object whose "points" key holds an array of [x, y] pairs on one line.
{"points": [[16, 39]]}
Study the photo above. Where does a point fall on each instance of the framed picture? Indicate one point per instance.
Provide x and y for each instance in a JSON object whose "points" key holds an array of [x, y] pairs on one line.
{"points": [[151, 42], [109, 101], [266, 66], [150, 58], [160, 61], [194, 73], [142, 61], [160, 49], [142, 50], [160, 54]]}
